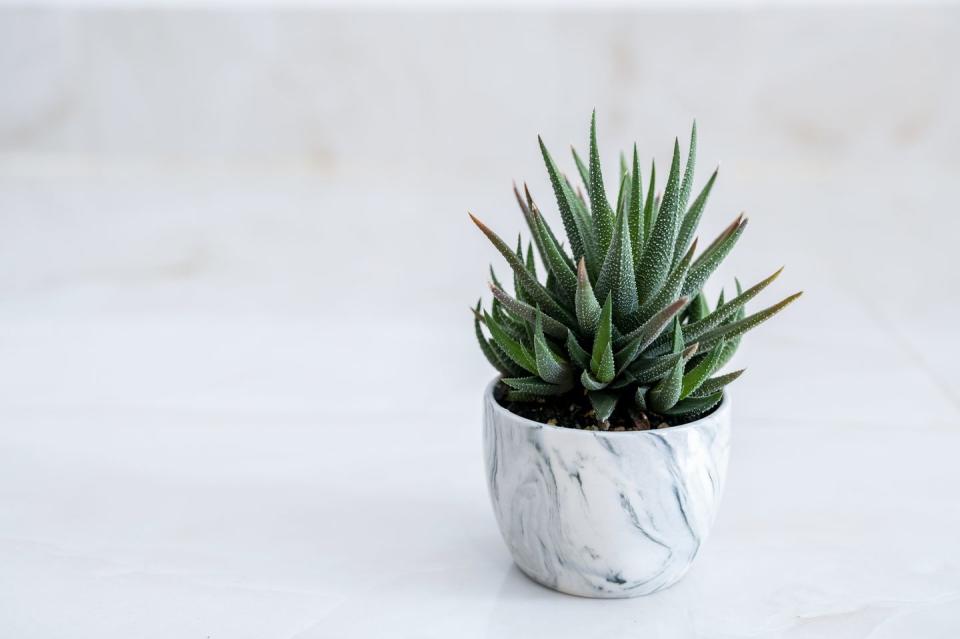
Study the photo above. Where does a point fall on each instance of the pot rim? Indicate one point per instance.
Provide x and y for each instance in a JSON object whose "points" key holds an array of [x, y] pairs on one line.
{"points": [[722, 411]]}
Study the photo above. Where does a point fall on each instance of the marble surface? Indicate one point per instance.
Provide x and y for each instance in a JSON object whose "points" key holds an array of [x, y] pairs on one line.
{"points": [[604, 514], [240, 392]]}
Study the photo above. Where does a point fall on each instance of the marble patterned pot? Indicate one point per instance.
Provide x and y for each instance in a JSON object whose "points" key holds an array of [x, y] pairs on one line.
{"points": [[604, 514]]}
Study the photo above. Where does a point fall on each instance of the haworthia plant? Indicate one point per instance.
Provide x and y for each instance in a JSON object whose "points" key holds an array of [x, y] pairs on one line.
{"points": [[621, 315]]}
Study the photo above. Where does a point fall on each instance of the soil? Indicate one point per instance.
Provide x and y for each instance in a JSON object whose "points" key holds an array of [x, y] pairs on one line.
{"points": [[574, 410]]}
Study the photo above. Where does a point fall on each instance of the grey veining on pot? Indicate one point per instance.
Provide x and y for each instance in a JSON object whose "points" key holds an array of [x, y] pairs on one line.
{"points": [[604, 514]]}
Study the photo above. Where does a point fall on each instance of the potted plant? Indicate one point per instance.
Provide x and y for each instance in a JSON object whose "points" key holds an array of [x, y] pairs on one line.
{"points": [[607, 432]]}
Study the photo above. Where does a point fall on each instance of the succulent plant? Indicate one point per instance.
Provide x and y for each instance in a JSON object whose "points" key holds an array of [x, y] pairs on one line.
{"points": [[621, 313]]}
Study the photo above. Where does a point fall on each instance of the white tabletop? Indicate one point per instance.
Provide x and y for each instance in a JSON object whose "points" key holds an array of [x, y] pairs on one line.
{"points": [[209, 429]]}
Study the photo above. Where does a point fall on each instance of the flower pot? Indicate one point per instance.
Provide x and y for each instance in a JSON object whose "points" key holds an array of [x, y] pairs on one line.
{"points": [[604, 514]]}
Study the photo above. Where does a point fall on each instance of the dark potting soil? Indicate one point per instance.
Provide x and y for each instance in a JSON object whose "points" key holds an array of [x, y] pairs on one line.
{"points": [[574, 410]]}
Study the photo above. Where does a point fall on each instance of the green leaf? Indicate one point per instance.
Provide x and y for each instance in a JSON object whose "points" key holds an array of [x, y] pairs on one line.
{"points": [[603, 404], [728, 347], [649, 209], [698, 309], [666, 392], [579, 356], [581, 169], [556, 261], [707, 263], [687, 184], [528, 283], [585, 302], [601, 361], [503, 365], [599, 206], [527, 211], [658, 250], [616, 275], [724, 311], [671, 287], [739, 327], [648, 370], [528, 313], [517, 286], [692, 218], [590, 382], [582, 212], [623, 193], [635, 219], [693, 378], [514, 349], [693, 406], [515, 328], [519, 396], [550, 367], [536, 213], [640, 397], [639, 339], [579, 235], [534, 386], [715, 384]]}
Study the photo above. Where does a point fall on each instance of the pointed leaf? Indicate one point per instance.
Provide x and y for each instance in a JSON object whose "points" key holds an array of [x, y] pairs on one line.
{"points": [[698, 309], [535, 211], [671, 287], [550, 367], [640, 397], [707, 263], [551, 326], [643, 336], [504, 365], [581, 169], [687, 185], [693, 406], [666, 392], [555, 260], [578, 234], [649, 209], [514, 349], [534, 386], [585, 303], [599, 206], [739, 327], [603, 404], [579, 356], [715, 384], [601, 361], [590, 382], [650, 370], [527, 211], [724, 311], [519, 396], [634, 211], [658, 250], [617, 275], [692, 218], [693, 378], [538, 294]]}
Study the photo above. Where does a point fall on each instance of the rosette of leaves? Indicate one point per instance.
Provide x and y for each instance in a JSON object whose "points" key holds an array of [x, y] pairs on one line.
{"points": [[620, 313]]}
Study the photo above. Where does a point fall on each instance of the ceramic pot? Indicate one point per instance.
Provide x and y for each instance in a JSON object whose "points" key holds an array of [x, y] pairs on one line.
{"points": [[604, 514]]}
